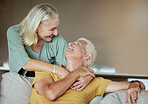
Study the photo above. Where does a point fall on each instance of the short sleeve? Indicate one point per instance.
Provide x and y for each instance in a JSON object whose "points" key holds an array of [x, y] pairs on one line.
{"points": [[40, 75], [18, 57], [59, 49], [101, 85]]}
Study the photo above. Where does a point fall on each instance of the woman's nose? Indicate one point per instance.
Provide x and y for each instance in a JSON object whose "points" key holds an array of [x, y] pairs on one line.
{"points": [[55, 32]]}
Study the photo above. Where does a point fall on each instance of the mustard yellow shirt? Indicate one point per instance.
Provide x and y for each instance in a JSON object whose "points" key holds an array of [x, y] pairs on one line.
{"points": [[96, 87]]}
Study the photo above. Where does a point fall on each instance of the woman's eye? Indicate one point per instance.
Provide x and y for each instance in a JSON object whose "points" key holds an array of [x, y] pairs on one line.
{"points": [[49, 29], [53, 28]]}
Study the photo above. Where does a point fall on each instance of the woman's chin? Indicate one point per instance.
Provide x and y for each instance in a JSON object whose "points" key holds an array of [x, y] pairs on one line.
{"points": [[48, 40]]}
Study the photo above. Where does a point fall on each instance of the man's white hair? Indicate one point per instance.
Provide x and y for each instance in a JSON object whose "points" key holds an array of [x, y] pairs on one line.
{"points": [[90, 49]]}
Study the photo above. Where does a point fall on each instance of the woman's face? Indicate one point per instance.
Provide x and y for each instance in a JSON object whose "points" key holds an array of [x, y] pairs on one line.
{"points": [[47, 29]]}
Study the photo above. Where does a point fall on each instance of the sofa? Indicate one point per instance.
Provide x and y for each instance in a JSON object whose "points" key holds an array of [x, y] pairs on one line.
{"points": [[13, 85], [119, 98]]}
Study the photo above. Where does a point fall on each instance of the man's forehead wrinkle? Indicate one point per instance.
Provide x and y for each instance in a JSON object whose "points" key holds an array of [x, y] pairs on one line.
{"points": [[82, 42]]}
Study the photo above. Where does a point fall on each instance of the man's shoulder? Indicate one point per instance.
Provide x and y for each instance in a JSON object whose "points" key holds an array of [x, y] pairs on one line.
{"points": [[98, 78], [101, 80], [40, 75], [43, 74]]}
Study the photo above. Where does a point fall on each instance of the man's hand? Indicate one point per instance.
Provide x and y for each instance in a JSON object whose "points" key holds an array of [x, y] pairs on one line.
{"points": [[132, 92], [81, 83]]}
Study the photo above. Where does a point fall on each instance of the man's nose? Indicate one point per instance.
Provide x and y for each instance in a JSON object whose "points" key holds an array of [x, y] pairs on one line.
{"points": [[70, 44]]}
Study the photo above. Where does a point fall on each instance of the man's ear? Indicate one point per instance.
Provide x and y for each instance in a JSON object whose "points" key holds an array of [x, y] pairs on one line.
{"points": [[87, 56]]}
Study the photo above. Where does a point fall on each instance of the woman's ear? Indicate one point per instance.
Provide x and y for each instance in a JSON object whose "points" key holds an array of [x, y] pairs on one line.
{"points": [[88, 56], [36, 30]]}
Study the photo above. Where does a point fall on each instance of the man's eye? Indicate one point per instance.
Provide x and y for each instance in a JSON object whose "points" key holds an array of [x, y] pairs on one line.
{"points": [[78, 44], [52, 29], [75, 43]]}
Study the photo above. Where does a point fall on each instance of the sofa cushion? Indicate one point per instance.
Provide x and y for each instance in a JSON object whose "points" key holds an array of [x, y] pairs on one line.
{"points": [[15, 89], [119, 98], [96, 100]]}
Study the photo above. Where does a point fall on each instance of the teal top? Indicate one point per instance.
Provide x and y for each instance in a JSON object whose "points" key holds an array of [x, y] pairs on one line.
{"points": [[20, 54]]}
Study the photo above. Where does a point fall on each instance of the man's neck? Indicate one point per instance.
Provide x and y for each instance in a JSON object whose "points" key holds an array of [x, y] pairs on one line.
{"points": [[73, 64]]}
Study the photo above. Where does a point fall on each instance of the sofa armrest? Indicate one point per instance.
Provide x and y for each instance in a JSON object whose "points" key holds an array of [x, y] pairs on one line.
{"points": [[119, 98]]}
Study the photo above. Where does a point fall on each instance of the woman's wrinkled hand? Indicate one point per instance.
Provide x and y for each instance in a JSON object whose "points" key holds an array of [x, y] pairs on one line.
{"points": [[84, 71], [81, 83], [60, 71], [132, 93]]}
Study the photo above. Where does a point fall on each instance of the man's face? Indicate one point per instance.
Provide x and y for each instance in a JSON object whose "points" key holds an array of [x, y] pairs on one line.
{"points": [[76, 49]]}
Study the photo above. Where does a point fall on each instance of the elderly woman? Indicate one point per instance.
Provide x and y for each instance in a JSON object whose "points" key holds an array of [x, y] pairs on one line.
{"points": [[35, 45]]}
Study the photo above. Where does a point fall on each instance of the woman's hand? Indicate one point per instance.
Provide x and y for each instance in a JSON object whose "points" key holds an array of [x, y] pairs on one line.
{"points": [[132, 92], [84, 71], [60, 71], [82, 82]]}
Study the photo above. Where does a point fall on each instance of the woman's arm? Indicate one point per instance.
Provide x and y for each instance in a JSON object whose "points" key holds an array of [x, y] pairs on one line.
{"points": [[19, 58], [37, 65]]}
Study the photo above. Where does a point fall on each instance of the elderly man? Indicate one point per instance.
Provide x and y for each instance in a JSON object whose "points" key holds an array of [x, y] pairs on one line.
{"points": [[49, 88]]}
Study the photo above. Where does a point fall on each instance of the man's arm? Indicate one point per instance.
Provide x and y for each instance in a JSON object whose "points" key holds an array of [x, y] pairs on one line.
{"points": [[52, 90], [132, 89], [117, 86]]}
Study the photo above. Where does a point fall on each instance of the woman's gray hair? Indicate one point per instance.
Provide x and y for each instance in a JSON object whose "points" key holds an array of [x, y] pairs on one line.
{"points": [[90, 49], [30, 23]]}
